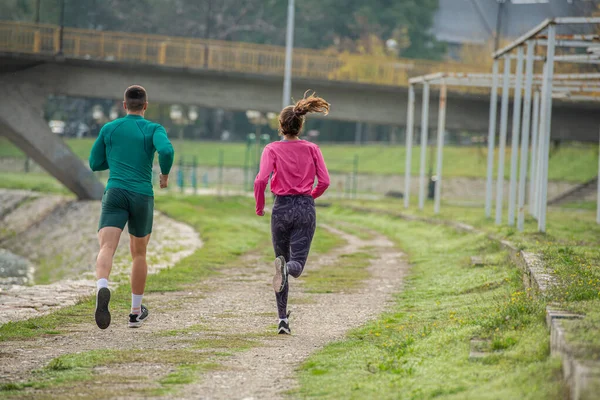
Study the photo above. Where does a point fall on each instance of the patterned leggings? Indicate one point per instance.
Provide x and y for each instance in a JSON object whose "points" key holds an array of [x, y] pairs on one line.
{"points": [[293, 224]]}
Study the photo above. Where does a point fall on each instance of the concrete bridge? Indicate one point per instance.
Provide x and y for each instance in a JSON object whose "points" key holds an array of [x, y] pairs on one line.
{"points": [[213, 74]]}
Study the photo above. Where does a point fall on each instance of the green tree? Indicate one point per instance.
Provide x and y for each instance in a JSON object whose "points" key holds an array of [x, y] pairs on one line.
{"points": [[326, 22]]}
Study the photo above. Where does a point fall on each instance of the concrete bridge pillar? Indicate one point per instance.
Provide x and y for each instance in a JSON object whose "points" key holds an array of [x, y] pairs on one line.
{"points": [[22, 123]]}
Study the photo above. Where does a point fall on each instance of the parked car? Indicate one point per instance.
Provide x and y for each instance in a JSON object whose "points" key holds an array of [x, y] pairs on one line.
{"points": [[57, 127]]}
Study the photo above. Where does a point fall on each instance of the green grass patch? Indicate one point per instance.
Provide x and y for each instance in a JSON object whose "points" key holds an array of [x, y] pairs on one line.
{"points": [[325, 241], [199, 328], [564, 226], [78, 369], [568, 163], [421, 347], [227, 342], [583, 334], [570, 248], [184, 374], [353, 230], [32, 181], [581, 205], [346, 274]]}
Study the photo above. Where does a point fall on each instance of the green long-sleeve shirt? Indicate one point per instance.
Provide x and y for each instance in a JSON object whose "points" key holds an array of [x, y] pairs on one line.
{"points": [[126, 146]]}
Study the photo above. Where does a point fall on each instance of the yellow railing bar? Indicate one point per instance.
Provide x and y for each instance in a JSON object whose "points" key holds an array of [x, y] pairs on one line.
{"points": [[216, 54]]}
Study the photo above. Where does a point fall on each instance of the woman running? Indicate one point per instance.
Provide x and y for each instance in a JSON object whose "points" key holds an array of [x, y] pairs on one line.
{"points": [[294, 163]]}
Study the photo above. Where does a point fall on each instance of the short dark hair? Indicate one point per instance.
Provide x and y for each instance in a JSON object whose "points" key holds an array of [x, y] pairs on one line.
{"points": [[135, 98]]}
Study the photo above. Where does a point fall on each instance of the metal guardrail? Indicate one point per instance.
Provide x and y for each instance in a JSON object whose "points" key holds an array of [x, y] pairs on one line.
{"points": [[217, 55]]}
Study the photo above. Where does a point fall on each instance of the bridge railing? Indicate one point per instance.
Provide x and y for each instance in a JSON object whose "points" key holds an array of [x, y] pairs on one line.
{"points": [[215, 55]]}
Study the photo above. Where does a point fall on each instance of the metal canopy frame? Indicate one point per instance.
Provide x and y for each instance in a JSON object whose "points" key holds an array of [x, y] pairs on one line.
{"points": [[529, 89], [565, 86]]}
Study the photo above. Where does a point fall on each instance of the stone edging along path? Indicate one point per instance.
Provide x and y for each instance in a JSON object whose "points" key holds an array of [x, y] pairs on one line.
{"points": [[580, 376]]}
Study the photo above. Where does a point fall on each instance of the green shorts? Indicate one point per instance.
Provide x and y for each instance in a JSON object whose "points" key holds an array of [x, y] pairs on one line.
{"points": [[120, 206]]}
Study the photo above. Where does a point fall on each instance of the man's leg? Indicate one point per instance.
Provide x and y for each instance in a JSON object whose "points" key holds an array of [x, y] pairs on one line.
{"points": [[109, 240], [140, 227], [112, 221], [139, 271]]}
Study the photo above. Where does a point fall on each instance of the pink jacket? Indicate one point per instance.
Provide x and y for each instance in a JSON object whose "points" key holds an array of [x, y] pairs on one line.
{"points": [[294, 165]]}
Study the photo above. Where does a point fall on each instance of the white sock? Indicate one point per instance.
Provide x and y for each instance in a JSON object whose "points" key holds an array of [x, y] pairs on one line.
{"points": [[284, 320], [102, 283], [136, 303]]}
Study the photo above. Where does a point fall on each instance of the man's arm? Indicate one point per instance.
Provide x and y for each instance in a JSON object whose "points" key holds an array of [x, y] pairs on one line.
{"points": [[165, 151], [97, 159]]}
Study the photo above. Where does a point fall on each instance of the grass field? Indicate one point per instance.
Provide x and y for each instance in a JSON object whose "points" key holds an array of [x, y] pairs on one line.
{"points": [[573, 164], [570, 249], [424, 346], [32, 181]]}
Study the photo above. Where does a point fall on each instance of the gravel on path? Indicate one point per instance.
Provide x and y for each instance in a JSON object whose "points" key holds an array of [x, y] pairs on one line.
{"points": [[237, 302]]}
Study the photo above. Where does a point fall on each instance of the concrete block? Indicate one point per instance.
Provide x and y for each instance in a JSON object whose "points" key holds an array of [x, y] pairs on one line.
{"points": [[21, 122]]}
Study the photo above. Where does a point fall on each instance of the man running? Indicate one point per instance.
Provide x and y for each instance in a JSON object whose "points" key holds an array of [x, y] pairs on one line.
{"points": [[126, 146], [295, 164]]}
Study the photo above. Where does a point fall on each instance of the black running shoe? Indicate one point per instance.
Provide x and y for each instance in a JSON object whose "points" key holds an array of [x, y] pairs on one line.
{"points": [[284, 326], [281, 274], [102, 313], [136, 320]]}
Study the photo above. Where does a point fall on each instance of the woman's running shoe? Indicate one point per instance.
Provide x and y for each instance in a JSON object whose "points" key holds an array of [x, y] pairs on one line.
{"points": [[281, 274]]}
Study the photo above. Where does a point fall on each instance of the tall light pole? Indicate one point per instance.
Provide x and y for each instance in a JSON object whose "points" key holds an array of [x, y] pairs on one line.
{"points": [[37, 12], [289, 45], [498, 24], [62, 27]]}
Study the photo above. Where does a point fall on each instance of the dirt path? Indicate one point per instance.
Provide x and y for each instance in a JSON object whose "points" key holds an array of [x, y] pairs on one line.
{"points": [[265, 372], [237, 303]]}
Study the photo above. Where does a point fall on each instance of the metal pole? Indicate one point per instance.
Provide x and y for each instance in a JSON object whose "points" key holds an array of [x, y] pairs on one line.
{"points": [[221, 164], [258, 147], [424, 131], [440, 147], [358, 133], [525, 135], [502, 144], [547, 108], [491, 141], [534, 152], [62, 27], [289, 45], [36, 17], [409, 139], [355, 178], [498, 24], [598, 197], [193, 175], [516, 132], [207, 33], [540, 149]]}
